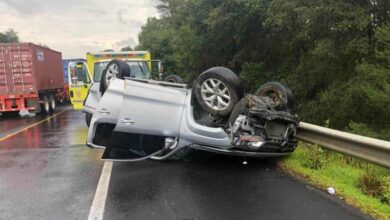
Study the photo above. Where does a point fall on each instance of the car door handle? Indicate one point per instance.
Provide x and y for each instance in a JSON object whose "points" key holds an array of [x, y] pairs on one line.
{"points": [[127, 121], [104, 111]]}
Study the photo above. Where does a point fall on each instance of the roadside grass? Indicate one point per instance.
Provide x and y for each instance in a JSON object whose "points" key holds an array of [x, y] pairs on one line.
{"points": [[360, 184]]}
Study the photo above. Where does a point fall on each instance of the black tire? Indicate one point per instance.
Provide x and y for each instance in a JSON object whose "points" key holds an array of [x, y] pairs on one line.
{"points": [[222, 78], [45, 106], [279, 93], [52, 102], [88, 117], [239, 109], [115, 69], [174, 79], [102, 88]]}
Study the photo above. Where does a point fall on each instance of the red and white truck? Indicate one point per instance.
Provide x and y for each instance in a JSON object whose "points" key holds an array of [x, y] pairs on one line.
{"points": [[31, 78]]}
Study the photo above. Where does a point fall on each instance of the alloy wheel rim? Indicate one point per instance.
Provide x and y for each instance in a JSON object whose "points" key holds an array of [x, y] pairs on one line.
{"points": [[111, 73], [215, 94]]}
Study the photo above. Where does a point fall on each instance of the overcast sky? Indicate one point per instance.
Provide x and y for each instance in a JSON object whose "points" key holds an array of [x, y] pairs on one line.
{"points": [[77, 26]]}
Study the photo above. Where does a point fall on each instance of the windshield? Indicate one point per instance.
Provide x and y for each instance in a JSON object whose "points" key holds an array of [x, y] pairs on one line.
{"points": [[138, 69]]}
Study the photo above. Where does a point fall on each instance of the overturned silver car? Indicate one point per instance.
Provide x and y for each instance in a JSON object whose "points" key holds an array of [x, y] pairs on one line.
{"points": [[136, 118]]}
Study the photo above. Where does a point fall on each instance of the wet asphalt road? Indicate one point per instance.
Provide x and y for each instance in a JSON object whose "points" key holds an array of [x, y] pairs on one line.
{"points": [[13, 123], [46, 172]]}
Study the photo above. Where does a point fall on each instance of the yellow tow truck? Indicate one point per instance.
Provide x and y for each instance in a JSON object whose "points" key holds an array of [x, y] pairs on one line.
{"points": [[83, 74]]}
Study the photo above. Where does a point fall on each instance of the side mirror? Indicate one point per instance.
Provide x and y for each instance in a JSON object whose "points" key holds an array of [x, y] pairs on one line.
{"points": [[82, 73]]}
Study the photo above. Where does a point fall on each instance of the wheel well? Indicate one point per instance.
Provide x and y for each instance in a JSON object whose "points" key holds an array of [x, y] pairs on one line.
{"points": [[103, 133]]}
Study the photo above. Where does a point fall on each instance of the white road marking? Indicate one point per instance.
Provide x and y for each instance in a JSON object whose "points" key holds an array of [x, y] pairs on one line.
{"points": [[99, 202]]}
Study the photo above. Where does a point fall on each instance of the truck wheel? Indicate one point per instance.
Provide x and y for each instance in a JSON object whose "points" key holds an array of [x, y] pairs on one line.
{"points": [[174, 79], [281, 96], [45, 105], [52, 102], [88, 117], [115, 69], [218, 90]]}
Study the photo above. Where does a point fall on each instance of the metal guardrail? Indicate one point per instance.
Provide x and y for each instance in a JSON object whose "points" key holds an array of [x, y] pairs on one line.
{"points": [[369, 149]]}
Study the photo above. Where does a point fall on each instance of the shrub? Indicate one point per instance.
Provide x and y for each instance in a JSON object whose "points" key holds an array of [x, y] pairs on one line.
{"points": [[314, 157], [354, 162], [371, 183], [253, 76]]}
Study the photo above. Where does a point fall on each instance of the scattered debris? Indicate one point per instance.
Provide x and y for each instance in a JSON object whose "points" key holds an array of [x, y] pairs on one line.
{"points": [[309, 187], [26, 113], [331, 190], [23, 113]]}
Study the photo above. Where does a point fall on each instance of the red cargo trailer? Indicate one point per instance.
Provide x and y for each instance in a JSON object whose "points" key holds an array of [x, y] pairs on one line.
{"points": [[31, 77]]}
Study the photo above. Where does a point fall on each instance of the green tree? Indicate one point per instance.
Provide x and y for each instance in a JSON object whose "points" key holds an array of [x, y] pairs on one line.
{"points": [[9, 36], [321, 45], [372, 85], [157, 37], [327, 52], [127, 48]]}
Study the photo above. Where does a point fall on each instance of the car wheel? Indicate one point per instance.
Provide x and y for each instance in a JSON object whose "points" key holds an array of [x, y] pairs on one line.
{"points": [[116, 69], [52, 102], [218, 90], [88, 117], [45, 105], [281, 96], [174, 79]]}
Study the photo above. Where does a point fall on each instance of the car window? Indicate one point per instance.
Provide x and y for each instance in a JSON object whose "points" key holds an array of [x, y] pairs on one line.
{"points": [[82, 75], [138, 69], [79, 74]]}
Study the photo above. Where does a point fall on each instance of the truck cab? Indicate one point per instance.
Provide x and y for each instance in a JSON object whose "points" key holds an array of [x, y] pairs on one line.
{"points": [[139, 69], [79, 83], [140, 65], [92, 69]]}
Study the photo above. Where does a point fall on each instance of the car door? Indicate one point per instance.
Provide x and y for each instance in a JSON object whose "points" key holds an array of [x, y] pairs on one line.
{"points": [[148, 122], [93, 98], [139, 139], [79, 83], [151, 109]]}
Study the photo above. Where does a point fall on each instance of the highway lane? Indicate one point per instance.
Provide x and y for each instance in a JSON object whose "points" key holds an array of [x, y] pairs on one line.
{"points": [[211, 186], [46, 172], [12, 123]]}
